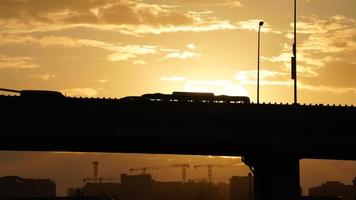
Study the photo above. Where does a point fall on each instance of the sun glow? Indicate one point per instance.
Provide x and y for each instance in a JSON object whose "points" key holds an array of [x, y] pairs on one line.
{"points": [[218, 87]]}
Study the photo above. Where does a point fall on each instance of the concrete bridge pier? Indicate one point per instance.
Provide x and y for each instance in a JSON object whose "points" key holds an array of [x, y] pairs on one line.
{"points": [[275, 178]]}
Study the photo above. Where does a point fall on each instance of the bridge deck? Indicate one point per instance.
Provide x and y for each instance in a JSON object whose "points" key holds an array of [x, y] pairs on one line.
{"points": [[110, 125]]}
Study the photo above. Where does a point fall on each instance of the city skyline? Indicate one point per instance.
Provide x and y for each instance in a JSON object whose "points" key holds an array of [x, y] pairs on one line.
{"points": [[57, 165], [237, 187]]}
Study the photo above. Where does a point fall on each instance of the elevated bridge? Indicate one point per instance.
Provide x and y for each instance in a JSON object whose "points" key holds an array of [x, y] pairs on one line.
{"points": [[271, 138]]}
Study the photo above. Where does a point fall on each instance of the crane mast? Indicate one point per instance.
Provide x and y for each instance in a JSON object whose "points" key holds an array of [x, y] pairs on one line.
{"points": [[184, 167], [95, 178], [143, 169], [95, 171], [210, 168]]}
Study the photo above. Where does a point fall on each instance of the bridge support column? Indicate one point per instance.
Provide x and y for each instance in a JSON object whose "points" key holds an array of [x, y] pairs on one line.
{"points": [[275, 177]]}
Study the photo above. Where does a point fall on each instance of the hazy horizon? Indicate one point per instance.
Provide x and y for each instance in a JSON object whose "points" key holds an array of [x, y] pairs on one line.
{"points": [[69, 169]]}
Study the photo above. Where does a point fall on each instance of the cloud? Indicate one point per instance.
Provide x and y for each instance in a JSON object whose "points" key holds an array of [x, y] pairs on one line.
{"points": [[173, 78], [203, 22], [276, 78], [333, 35], [253, 24], [90, 12], [123, 16], [120, 56], [130, 17], [267, 77], [308, 64], [198, 26], [119, 52], [82, 92], [183, 55], [322, 41], [217, 87], [19, 62], [213, 3], [191, 46], [234, 3], [323, 88], [139, 62], [44, 77], [103, 80]]}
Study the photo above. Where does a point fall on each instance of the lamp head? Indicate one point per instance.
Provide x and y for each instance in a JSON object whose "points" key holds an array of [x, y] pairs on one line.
{"points": [[261, 23]]}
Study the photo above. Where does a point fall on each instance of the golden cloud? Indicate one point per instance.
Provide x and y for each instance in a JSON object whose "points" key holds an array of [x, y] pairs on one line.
{"points": [[278, 78], [253, 24], [173, 78], [225, 3], [44, 77], [131, 17], [120, 52], [333, 35], [81, 92], [89, 12], [17, 62], [218, 87], [139, 62], [323, 88], [323, 41], [267, 77], [182, 55]]}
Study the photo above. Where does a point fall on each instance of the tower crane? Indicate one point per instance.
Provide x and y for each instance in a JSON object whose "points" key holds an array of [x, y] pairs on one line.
{"points": [[96, 178], [143, 169], [95, 173], [184, 167], [210, 168]]}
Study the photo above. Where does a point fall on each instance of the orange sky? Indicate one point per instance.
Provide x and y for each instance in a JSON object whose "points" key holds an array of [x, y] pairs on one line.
{"points": [[129, 47], [119, 48]]}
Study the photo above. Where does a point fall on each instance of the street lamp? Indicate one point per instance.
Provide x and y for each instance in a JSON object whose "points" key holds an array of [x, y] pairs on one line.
{"points": [[258, 62]]}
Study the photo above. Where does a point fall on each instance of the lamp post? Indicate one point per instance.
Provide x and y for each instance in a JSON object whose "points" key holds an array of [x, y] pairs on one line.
{"points": [[258, 62]]}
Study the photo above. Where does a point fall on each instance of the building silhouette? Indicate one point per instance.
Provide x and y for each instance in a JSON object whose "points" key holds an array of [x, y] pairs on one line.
{"points": [[143, 187], [110, 190], [241, 188], [190, 190], [223, 190], [18, 187], [336, 189], [136, 187]]}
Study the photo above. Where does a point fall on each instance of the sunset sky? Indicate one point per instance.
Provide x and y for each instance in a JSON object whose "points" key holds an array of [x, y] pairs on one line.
{"points": [[117, 48]]}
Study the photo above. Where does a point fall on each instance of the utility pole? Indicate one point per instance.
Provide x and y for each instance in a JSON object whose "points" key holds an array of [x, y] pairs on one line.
{"points": [[294, 58]]}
